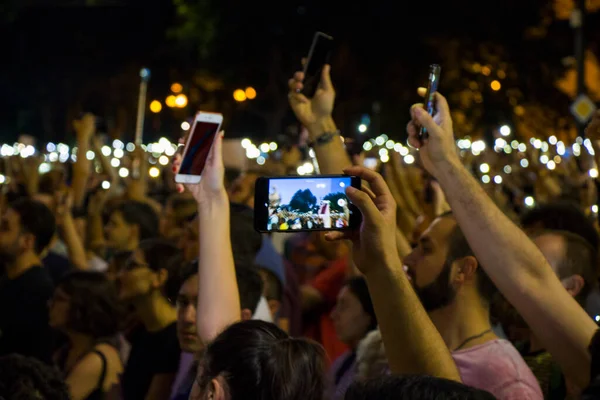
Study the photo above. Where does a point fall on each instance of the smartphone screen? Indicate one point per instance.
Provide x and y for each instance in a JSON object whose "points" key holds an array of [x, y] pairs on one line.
{"points": [[201, 139], [432, 87], [318, 56], [305, 204]]}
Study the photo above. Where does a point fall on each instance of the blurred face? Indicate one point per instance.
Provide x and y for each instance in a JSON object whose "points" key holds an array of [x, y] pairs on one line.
{"points": [[136, 279], [186, 316], [188, 242], [11, 236], [59, 309], [426, 266], [119, 234], [350, 320], [242, 189]]}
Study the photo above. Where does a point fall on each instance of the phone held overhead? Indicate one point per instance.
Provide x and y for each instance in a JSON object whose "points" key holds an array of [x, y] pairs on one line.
{"points": [[202, 134], [318, 56], [294, 204], [432, 87]]}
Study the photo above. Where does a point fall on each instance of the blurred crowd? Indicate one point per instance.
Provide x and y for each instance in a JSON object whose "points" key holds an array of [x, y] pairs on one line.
{"points": [[474, 273]]}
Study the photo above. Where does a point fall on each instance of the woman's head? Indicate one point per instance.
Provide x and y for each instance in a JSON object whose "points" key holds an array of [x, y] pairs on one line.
{"points": [[257, 360], [85, 303], [148, 270], [354, 315]]}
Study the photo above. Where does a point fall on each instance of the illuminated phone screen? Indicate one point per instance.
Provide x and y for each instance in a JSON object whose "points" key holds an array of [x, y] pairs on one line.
{"points": [[202, 137], [308, 204]]}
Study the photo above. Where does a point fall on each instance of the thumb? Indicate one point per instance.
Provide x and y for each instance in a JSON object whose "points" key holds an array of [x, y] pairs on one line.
{"points": [[216, 153], [426, 121], [364, 203], [326, 78]]}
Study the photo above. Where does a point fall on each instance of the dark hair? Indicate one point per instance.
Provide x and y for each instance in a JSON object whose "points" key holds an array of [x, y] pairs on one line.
{"points": [[358, 287], [561, 216], [274, 287], [458, 247], [37, 219], [245, 240], [183, 207], [417, 387], [162, 254], [250, 287], [142, 215], [182, 274], [94, 304], [257, 360], [579, 259], [28, 378]]}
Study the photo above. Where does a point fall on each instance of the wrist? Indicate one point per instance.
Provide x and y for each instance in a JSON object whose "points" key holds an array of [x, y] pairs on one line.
{"points": [[322, 125], [445, 166]]}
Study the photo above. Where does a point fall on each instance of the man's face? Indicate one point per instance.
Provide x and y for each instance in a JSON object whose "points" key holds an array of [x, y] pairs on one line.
{"points": [[186, 316], [427, 268], [11, 245], [119, 234]]}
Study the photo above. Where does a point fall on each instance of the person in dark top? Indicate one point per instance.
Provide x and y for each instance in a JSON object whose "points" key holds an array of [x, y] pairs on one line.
{"points": [[25, 287], [154, 356], [85, 307], [57, 266], [28, 378]]}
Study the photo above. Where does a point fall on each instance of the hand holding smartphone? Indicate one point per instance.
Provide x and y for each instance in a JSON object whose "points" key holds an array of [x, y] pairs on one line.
{"points": [[295, 204], [318, 56], [432, 86], [203, 132]]}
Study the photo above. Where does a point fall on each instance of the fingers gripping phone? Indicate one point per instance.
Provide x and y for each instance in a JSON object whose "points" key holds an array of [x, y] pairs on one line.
{"points": [[318, 56], [204, 129], [432, 86], [294, 204]]}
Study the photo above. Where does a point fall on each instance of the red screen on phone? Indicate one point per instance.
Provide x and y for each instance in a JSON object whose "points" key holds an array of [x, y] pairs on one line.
{"points": [[201, 139]]}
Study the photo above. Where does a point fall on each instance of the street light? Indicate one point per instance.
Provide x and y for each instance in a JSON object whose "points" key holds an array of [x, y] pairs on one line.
{"points": [[155, 106], [181, 100], [250, 93], [176, 88], [239, 95]]}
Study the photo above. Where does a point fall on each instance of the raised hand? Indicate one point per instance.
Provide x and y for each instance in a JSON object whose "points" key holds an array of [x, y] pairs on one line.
{"points": [[85, 127], [311, 112], [440, 147], [376, 236]]}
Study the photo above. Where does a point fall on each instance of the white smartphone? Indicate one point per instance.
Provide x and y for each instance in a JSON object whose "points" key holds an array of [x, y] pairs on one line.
{"points": [[202, 135]]}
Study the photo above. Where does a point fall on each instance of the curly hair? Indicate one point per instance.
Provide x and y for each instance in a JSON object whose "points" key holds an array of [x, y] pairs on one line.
{"points": [[26, 378], [94, 304]]}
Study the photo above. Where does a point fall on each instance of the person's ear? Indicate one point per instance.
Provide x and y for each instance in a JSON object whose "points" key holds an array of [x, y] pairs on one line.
{"points": [[246, 314], [160, 278], [467, 269], [274, 306], [217, 391], [574, 284], [28, 242]]}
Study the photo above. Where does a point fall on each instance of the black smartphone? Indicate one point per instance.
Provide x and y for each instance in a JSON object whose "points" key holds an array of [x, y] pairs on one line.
{"points": [[432, 87], [318, 56], [305, 203]]}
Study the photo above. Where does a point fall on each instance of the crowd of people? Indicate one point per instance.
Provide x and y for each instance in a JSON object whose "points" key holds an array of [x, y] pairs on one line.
{"points": [[449, 289]]}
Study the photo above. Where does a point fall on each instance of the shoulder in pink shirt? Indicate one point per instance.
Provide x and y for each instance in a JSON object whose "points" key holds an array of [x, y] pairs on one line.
{"points": [[497, 367]]}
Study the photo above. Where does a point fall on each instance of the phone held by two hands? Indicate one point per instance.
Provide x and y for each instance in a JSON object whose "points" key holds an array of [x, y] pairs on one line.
{"points": [[295, 204], [318, 56], [202, 134], [432, 87]]}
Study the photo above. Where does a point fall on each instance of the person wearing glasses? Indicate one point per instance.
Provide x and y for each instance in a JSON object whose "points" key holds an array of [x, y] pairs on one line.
{"points": [[155, 351]]}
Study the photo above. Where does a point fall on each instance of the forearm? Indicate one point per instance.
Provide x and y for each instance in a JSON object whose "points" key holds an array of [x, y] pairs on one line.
{"points": [[74, 245], [81, 172], [218, 297], [95, 232], [332, 156], [411, 348], [520, 272]]}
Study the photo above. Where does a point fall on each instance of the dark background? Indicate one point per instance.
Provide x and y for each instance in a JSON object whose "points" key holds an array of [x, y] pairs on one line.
{"points": [[63, 57]]}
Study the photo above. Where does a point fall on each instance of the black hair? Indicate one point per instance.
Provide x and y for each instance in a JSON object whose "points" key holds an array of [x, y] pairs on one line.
{"points": [[458, 247], [182, 274], [561, 216], [257, 360], [36, 218], [162, 254], [274, 287], [183, 207], [245, 240], [358, 287], [417, 387], [28, 378], [94, 304], [250, 287], [140, 214]]}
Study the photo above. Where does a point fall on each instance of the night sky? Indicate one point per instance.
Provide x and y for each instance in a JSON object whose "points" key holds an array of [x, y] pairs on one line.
{"points": [[64, 57]]}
